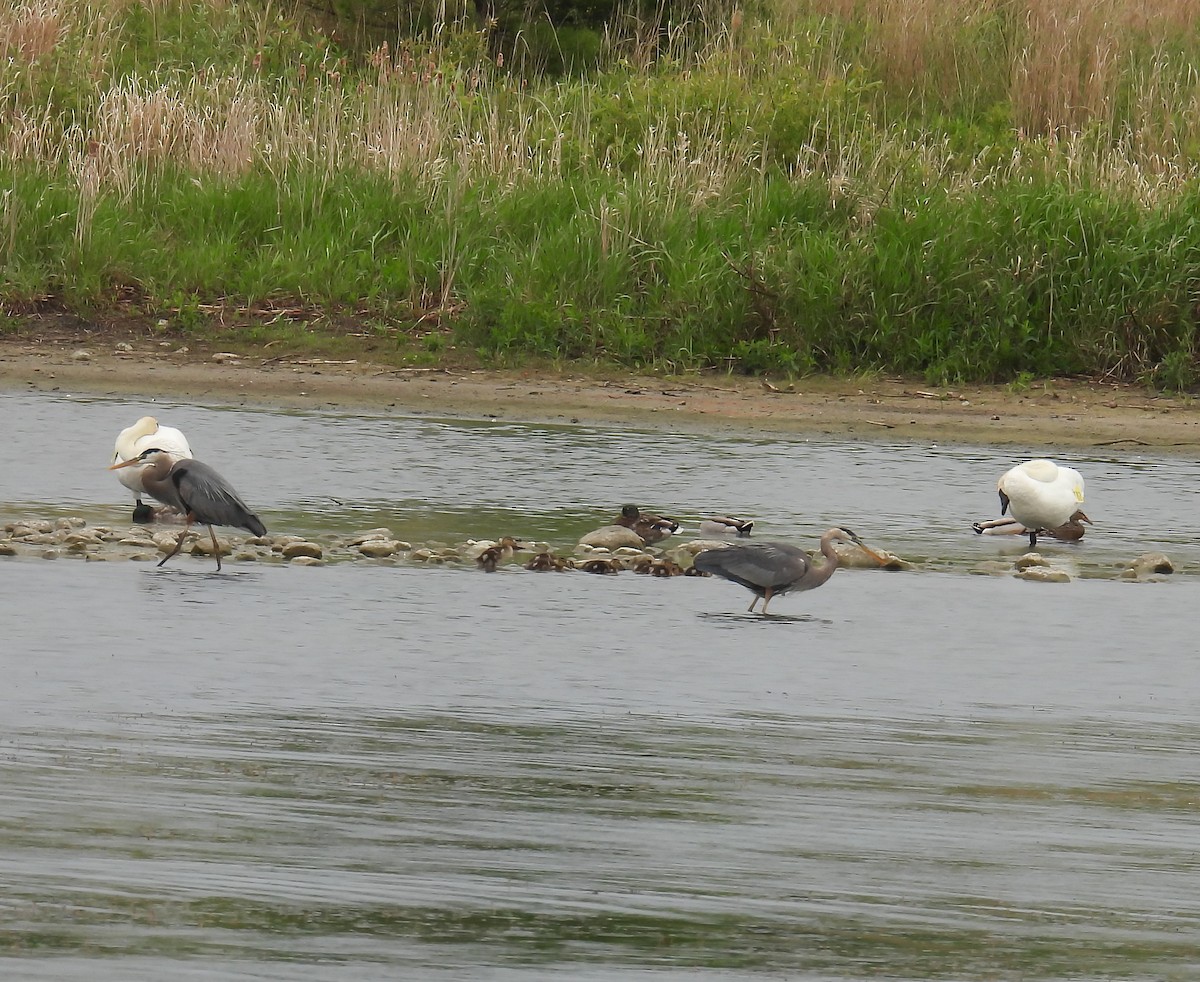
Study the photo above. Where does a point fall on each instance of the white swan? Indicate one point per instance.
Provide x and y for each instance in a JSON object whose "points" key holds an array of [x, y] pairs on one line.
{"points": [[1041, 495], [132, 442]]}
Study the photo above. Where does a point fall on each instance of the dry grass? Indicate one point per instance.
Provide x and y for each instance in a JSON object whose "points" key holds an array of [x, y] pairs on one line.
{"points": [[28, 31]]}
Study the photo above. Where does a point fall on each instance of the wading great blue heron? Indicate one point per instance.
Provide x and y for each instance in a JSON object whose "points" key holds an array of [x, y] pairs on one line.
{"points": [[197, 491], [650, 528], [768, 569], [145, 434], [1041, 495]]}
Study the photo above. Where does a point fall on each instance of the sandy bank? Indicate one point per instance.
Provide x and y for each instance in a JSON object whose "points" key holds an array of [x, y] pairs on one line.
{"points": [[1056, 414]]}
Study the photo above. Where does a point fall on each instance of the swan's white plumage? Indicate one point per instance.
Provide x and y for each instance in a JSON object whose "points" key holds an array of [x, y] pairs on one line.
{"points": [[1042, 494], [133, 441]]}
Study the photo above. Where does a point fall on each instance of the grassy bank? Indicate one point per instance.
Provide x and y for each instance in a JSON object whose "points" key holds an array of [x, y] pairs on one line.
{"points": [[971, 190]]}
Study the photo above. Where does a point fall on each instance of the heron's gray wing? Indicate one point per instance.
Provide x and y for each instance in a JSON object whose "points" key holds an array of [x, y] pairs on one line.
{"points": [[211, 499], [759, 565]]}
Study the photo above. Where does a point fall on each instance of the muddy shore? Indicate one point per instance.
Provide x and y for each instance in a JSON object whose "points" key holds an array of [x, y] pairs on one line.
{"points": [[1041, 417]]}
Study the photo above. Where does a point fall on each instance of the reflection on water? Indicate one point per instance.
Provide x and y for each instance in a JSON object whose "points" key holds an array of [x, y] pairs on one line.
{"points": [[372, 773]]}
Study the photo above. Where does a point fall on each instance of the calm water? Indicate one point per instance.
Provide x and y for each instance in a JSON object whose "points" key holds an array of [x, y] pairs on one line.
{"points": [[361, 772]]}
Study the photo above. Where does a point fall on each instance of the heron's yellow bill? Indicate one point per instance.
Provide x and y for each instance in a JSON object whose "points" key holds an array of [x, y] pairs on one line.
{"points": [[882, 560], [126, 463]]}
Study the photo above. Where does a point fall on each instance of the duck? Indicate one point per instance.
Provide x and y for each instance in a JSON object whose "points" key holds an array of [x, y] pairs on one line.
{"points": [[1040, 495], [1070, 531], [724, 525], [649, 528]]}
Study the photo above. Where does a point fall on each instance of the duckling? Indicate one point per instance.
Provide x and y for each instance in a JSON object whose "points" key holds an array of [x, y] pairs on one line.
{"points": [[692, 571], [489, 559], [600, 566], [547, 562], [491, 556], [724, 525], [666, 567], [649, 528], [643, 564]]}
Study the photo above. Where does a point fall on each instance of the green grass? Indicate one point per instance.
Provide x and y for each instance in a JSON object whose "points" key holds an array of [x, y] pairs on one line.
{"points": [[787, 201]]}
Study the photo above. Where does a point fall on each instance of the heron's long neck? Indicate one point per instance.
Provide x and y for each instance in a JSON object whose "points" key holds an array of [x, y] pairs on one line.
{"points": [[832, 560]]}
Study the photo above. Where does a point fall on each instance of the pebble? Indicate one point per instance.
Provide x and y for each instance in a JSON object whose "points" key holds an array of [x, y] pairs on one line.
{"points": [[81, 355], [1149, 565], [203, 546], [378, 548], [1044, 574], [302, 550], [613, 537]]}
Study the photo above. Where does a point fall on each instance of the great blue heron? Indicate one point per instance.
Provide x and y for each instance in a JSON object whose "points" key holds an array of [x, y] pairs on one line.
{"points": [[1070, 531], [1041, 495], [650, 528], [197, 491], [146, 434], [724, 525], [768, 569]]}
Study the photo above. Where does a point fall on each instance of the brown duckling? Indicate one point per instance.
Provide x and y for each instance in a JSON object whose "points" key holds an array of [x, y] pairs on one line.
{"points": [[547, 562], [600, 566], [492, 556]]}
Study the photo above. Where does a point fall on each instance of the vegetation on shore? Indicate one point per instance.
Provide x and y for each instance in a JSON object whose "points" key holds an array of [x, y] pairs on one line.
{"points": [[964, 189]]}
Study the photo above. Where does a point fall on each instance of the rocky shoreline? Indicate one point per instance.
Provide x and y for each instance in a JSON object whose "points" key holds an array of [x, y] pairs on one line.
{"points": [[74, 538]]}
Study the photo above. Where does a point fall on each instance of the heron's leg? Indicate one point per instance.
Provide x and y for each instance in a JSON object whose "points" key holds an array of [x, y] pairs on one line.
{"points": [[178, 542], [766, 599], [216, 548], [750, 609], [1033, 538]]}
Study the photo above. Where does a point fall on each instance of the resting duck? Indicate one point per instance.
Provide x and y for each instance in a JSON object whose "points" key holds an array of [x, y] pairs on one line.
{"points": [[650, 528]]}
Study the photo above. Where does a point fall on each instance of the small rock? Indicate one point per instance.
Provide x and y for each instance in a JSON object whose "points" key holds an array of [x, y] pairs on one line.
{"points": [[852, 557], [378, 548], [124, 347], [1044, 574], [73, 522], [1030, 560], [613, 537], [6, 549], [370, 535], [302, 550], [697, 546], [81, 355], [307, 561], [203, 546], [1146, 565], [224, 357]]}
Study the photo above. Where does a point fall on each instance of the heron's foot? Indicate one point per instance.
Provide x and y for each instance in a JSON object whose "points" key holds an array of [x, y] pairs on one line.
{"points": [[143, 514], [977, 528]]}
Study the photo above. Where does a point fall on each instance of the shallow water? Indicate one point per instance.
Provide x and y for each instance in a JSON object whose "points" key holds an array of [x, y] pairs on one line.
{"points": [[363, 772]]}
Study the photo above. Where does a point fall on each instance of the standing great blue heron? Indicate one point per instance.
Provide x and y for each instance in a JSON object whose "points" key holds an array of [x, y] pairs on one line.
{"points": [[650, 528], [145, 434], [197, 491], [1041, 495], [768, 569]]}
